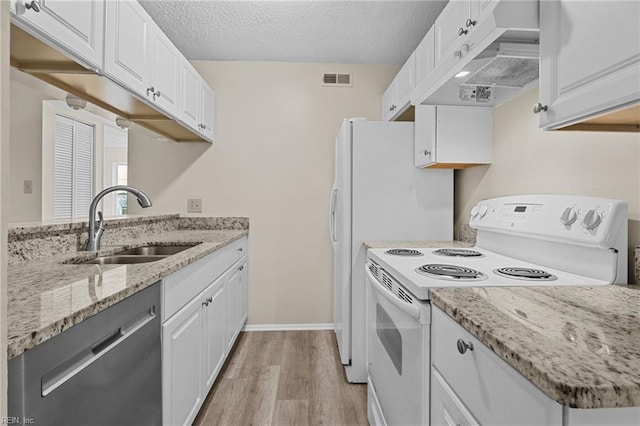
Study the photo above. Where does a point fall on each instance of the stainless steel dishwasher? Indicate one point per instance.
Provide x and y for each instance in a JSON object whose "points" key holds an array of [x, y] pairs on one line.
{"points": [[104, 371]]}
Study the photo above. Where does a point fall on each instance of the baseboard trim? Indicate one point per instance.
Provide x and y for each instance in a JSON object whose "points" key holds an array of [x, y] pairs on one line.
{"points": [[287, 327]]}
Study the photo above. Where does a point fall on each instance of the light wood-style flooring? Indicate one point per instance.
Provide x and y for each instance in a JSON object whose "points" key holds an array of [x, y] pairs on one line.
{"points": [[284, 378]]}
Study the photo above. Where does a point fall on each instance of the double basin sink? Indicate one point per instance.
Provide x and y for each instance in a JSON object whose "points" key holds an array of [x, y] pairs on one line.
{"points": [[136, 255]]}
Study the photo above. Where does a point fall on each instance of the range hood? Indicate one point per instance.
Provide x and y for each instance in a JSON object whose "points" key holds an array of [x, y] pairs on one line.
{"points": [[497, 61]]}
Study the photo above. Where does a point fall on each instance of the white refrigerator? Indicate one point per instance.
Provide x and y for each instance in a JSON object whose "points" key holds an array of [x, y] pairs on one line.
{"points": [[378, 195]]}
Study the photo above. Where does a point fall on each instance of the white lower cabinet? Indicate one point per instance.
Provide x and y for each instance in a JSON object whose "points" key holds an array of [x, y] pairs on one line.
{"points": [[182, 355], [198, 335], [479, 386], [475, 386]]}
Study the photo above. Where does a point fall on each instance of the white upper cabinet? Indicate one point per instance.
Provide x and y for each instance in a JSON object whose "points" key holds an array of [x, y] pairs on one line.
{"points": [[589, 60], [165, 72], [206, 110], [126, 47], [77, 27], [397, 96], [452, 137], [425, 57], [190, 95], [446, 29]]}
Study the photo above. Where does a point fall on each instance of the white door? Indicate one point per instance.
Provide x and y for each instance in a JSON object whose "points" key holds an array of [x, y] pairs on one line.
{"points": [[127, 50], [446, 407], [446, 29], [589, 58], [425, 135], [165, 72], [243, 283], [406, 81], [341, 239], [398, 355], [190, 95], [77, 26], [182, 349], [425, 58], [213, 332], [206, 110]]}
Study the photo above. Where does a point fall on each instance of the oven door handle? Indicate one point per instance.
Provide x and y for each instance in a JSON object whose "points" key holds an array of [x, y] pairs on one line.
{"points": [[408, 308]]}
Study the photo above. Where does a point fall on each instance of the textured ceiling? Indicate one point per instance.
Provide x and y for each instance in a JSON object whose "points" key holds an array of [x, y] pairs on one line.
{"points": [[383, 32]]}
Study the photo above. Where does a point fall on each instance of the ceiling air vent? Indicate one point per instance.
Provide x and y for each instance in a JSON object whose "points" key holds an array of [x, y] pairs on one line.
{"points": [[334, 79]]}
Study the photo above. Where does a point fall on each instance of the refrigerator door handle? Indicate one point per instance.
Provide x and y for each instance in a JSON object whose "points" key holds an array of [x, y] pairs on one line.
{"points": [[332, 215]]}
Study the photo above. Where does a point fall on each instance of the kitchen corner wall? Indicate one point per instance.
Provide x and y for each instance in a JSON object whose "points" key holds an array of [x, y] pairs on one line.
{"points": [[527, 160], [272, 160]]}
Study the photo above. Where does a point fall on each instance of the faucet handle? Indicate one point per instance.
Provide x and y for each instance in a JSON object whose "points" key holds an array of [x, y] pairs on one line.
{"points": [[100, 220]]}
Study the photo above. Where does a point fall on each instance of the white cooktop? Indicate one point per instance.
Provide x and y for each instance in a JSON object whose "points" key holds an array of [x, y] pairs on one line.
{"points": [[403, 270]]}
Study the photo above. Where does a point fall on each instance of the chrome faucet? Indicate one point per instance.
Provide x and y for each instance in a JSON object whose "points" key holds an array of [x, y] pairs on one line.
{"points": [[96, 234]]}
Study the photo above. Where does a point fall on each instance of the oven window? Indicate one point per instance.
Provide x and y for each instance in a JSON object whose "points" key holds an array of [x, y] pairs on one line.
{"points": [[389, 337]]}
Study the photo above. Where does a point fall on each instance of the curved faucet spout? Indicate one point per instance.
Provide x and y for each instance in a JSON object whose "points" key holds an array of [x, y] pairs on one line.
{"points": [[96, 234]]}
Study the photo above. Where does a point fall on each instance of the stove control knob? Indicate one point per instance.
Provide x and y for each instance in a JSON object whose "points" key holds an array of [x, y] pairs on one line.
{"points": [[474, 211], [483, 210], [591, 220], [569, 216]]}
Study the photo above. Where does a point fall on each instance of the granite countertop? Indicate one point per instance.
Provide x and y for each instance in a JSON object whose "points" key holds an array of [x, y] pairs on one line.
{"points": [[47, 296], [579, 345]]}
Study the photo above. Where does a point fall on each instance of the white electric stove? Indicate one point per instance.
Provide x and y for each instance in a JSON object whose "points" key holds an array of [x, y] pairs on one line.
{"points": [[532, 240]]}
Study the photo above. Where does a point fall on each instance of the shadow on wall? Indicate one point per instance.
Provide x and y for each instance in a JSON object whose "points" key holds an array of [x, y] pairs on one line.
{"points": [[176, 158]]}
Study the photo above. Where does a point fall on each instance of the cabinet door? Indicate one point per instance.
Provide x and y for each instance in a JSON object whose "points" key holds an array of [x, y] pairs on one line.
{"points": [[165, 72], [213, 332], [182, 350], [388, 101], [231, 313], [127, 58], [405, 81], [425, 135], [446, 29], [190, 95], [206, 110], [76, 26], [243, 303], [446, 408], [425, 59], [464, 135], [592, 68]]}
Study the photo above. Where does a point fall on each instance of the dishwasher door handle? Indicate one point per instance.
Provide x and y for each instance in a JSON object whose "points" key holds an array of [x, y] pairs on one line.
{"points": [[71, 367]]}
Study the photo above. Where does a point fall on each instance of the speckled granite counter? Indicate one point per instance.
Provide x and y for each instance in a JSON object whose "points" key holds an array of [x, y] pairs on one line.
{"points": [[579, 345], [47, 296]]}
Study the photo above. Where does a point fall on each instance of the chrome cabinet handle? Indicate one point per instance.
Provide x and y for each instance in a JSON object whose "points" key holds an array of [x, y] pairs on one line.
{"points": [[207, 301], [427, 153], [462, 31], [156, 94], [33, 4], [537, 108], [204, 126], [152, 90], [241, 267], [463, 346], [239, 248], [471, 22]]}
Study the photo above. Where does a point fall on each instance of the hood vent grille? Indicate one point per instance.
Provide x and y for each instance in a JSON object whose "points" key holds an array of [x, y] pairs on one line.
{"points": [[505, 71], [335, 79]]}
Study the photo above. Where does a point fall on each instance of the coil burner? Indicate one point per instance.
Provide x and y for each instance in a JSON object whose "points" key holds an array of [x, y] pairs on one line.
{"points": [[458, 253], [404, 252], [451, 272], [526, 274]]}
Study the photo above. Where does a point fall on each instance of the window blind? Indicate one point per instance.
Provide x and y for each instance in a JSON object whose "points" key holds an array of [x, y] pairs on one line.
{"points": [[73, 168]]}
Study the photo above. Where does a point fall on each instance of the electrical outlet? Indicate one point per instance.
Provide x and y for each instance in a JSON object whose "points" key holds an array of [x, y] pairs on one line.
{"points": [[28, 186], [194, 205]]}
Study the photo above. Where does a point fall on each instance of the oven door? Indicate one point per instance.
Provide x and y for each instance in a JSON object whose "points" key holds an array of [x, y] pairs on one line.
{"points": [[398, 355]]}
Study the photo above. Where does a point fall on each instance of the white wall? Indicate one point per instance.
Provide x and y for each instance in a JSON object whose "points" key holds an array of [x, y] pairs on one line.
{"points": [[275, 127], [528, 160]]}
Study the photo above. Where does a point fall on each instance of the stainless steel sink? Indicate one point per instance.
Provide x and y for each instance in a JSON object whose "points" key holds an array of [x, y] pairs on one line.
{"points": [[123, 260], [153, 250]]}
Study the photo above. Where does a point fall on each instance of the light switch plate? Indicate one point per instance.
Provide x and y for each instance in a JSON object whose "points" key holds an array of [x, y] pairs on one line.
{"points": [[28, 186], [194, 205]]}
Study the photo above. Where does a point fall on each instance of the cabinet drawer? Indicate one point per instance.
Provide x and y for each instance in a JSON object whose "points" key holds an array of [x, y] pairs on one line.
{"points": [[185, 284], [237, 249], [493, 391]]}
